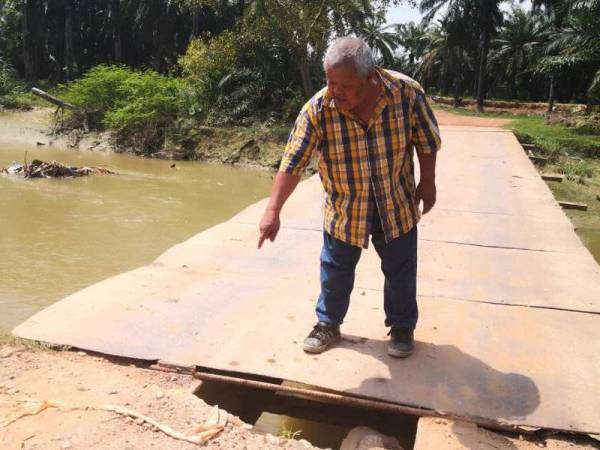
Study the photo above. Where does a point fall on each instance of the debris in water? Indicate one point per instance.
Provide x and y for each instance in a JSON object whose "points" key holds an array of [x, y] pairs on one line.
{"points": [[53, 169]]}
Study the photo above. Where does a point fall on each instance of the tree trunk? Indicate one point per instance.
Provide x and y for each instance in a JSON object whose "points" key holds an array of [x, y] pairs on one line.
{"points": [[444, 75], [551, 95], [305, 76], [485, 44], [69, 39], [116, 29], [457, 85], [513, 86], [163, 25], [28, 63], [195, 21]]}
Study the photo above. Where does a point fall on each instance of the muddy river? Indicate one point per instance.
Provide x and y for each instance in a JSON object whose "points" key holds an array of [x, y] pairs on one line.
{"points": [[60, 235]]}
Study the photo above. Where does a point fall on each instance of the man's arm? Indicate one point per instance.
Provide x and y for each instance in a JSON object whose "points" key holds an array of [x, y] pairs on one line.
{"points": [[296, 156], [426, 189], [283, 185], [426, 139]]}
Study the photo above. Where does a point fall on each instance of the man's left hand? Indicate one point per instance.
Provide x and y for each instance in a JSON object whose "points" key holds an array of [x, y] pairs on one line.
{"points": [[426, 191]]}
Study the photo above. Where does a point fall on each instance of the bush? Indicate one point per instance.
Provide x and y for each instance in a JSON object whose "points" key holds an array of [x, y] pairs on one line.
{"points": [[11, 90], [96, 93], [576, 169], [240, 95], [204, 64], [139, 106], [587, 124]]}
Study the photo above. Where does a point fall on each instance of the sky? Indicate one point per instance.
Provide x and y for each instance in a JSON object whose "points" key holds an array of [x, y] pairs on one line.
{"points": [[404, 13]]}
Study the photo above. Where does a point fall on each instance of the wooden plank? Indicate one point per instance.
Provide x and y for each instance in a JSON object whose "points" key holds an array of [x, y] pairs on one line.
{"points": [[573, 205], [528, 146], [553, 177], [538, 159]]}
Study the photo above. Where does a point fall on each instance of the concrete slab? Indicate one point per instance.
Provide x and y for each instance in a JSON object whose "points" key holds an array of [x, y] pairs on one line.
{"points": [[215, 301], [436, 434]]}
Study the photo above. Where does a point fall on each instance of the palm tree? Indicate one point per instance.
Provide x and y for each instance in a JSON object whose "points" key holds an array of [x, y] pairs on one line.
{"points": [[382, 42], [444, 54], [574, 44], [517, 45], [488, 18], [412, 38]]}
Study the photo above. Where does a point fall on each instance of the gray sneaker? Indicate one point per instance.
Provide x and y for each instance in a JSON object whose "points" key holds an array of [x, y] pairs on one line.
{"points": [[322, 336], [402, 342]]}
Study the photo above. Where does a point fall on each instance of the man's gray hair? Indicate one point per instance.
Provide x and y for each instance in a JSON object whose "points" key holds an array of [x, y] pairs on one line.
{"points": [[350, 50]]}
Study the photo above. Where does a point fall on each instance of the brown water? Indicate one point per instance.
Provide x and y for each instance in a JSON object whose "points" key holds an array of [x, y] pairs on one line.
{"points": [[60, 235]]}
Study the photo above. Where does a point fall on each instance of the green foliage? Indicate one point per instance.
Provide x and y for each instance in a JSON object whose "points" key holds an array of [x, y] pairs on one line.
{"points": [[576, 169], [555, 139], [240, 94], [204, 64], [586, 124], [290, 434], [99, 90], [139, 106], [11, 91]]}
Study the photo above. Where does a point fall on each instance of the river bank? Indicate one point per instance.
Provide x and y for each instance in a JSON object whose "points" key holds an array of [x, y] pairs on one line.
{"points": [[255, 146]]}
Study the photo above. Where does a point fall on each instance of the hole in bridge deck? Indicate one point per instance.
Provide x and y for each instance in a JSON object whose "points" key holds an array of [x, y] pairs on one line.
{"points": [[290, 415]]}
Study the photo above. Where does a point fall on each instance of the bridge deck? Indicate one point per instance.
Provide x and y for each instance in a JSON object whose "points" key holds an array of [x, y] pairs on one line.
{"points": [[509, 299]]}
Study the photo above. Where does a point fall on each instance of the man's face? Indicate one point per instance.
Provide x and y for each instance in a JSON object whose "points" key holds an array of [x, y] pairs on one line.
{"points": [[346, 87]]}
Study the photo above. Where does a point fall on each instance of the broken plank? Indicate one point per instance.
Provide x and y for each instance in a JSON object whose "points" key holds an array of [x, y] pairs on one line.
{"points": [[553, 177], [538, 159], [573, 205]]}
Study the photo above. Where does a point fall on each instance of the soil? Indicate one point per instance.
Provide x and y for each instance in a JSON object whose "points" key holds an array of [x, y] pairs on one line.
{"points": [[87, 380], [447, 118]]}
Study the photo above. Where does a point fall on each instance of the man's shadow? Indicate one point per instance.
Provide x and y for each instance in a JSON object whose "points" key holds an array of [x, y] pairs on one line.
{"points": [[443, 378]]}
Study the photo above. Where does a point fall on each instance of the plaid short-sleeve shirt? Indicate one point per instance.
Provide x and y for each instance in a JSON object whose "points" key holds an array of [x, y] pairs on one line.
{"points": [[359, 164]]}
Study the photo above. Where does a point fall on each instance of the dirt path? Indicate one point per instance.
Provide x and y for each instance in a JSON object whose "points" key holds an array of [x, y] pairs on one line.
{"points": [[77, 378], [447, 118]]}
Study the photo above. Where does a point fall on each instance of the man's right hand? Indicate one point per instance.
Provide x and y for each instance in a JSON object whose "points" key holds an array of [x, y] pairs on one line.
{"points": [[269, 227]]}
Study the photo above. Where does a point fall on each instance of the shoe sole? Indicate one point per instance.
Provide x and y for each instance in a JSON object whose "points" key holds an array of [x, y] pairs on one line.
{"points": [[322, 348], [398, 353]]}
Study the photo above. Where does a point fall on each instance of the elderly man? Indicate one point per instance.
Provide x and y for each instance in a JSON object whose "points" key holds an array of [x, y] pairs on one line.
{"points": [[363, 125]]}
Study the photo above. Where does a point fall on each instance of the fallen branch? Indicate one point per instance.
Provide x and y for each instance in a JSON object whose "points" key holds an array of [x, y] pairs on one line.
{"points": [[53, 169], [201, 434], [50, 98]]}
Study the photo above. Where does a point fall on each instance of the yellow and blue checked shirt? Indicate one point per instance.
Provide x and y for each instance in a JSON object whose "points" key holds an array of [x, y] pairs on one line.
{"points": [[359, 164]]}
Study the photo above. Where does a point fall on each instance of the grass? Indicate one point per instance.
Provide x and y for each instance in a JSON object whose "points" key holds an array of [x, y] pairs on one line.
{"points": [[9, 339], [556, 139], [24, 99], [290, 434], [580, 189], [471, 112]]}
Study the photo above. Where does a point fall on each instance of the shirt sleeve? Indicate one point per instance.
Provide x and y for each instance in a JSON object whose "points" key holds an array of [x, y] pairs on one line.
{"points": [[300, 145], [425, 130]]}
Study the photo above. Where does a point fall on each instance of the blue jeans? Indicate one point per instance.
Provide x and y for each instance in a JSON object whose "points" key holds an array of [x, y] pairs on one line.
{"points": [[398, 263]]}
